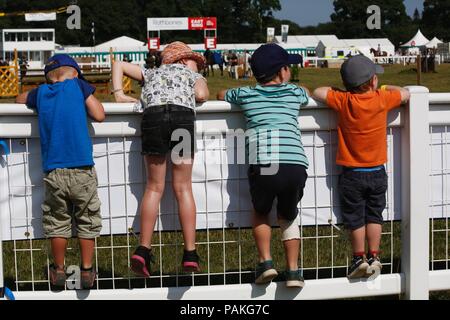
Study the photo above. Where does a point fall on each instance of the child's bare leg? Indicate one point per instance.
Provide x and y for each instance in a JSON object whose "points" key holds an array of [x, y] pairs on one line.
{"points": [[156, 176], [182, 187], [262, 233], [291, 248], [59, 246], [373, 233], [358, 238], [87, 252]]}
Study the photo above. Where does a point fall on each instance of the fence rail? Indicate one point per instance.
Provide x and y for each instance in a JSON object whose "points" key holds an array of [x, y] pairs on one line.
{"points": [[416, 220]]}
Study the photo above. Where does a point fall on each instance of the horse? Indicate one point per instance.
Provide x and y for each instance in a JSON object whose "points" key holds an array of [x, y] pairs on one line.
{"points": [[378, 53], [212, 59]]}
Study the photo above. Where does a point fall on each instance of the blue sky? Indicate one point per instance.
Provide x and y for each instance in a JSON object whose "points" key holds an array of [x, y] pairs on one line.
{"points": [[312, 12]]}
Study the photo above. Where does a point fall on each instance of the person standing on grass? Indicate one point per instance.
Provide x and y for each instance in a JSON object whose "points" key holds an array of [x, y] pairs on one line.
{"points": [[362, 151], [70, 178], [271, 109], [168, 101]]}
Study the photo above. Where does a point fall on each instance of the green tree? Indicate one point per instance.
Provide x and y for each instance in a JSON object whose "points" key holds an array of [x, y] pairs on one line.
{"points": [[238, 20], [350, 19], [435, 18], [416, 16]]}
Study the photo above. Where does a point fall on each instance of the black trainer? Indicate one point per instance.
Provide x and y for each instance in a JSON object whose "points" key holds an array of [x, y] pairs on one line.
{"points": [[191, 261], [265, 272], [141, 260], [358, 267]]}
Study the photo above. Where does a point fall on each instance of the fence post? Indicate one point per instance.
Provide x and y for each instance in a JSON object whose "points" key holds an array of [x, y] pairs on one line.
{"points": [[415, 195]]}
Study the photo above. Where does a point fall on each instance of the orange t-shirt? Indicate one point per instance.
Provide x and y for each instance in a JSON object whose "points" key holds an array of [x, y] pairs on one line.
{"points": [[362, 123]]}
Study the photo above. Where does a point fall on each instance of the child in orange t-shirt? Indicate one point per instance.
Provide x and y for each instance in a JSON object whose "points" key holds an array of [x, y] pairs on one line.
{"points": [[362, 151]]}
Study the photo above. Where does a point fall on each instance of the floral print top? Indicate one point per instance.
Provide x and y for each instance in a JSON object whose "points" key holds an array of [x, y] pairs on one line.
{"points": [[168, 84]]}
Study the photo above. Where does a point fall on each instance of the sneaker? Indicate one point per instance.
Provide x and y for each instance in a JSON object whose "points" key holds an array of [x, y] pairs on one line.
{"points": [[294, 279], [358, 268], [191, 261], [375, 266], [57, 276], [141, 260], [265, 272], [87, 278]]}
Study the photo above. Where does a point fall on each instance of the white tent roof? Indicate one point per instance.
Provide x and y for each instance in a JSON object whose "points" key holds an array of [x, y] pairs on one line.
{"points": [[308, 41], [364, 45], [121, 43], [433, 43], [418, 40], [333, 43]]}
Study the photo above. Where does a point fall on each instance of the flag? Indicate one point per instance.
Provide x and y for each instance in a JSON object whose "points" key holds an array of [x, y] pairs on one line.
{"points": [[40, 16]]}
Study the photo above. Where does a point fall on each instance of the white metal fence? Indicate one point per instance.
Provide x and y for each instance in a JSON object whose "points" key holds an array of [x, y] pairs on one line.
{"points": [[224, 237]]}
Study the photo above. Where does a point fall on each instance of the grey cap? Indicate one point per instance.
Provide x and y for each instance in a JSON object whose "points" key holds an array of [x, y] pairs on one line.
{"points": [[358, 70]]}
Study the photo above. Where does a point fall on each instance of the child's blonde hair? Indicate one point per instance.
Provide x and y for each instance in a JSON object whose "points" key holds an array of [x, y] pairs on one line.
{"points": [[61, 73]]}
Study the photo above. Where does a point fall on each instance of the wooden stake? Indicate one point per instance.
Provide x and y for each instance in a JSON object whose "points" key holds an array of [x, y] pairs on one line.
{"points": [[419, 69]]}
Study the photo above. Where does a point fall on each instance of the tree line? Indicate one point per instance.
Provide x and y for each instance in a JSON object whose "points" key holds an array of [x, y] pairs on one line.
{"points": [[239, 21]]}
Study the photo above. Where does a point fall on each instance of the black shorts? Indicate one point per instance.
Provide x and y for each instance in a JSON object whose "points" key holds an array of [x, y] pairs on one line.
{"points": [[363, 197], [158, 125], [287, 186]]}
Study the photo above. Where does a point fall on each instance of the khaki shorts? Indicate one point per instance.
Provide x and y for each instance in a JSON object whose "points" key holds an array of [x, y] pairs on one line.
{"points": [[71, 194]]}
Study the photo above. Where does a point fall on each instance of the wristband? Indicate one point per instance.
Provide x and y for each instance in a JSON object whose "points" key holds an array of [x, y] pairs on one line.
{"points": [[383, 88], [117, 90]]}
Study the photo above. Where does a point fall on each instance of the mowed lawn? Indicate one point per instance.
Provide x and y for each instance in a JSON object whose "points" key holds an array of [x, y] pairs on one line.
{"points": [[312, 78], [230, 252]]}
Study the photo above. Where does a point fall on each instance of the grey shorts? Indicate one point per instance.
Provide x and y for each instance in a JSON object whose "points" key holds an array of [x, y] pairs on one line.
{"points": [[71, 197]]}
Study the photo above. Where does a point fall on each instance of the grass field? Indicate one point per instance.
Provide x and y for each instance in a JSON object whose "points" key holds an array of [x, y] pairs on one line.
{"points": [[229, 256], [313, 78]]}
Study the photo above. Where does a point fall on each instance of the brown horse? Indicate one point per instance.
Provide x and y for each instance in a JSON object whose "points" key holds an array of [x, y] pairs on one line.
{"points": [[377, 53]]}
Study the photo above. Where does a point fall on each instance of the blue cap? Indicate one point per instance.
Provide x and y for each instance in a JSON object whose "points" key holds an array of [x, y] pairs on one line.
{"points": [[60, 60], [268, 59]]}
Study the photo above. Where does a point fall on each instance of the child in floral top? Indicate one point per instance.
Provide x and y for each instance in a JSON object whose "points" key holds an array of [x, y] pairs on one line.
{"points": [[168, 101]]}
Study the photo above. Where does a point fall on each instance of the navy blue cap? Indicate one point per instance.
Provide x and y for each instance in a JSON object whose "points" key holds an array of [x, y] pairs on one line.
{"points": [[268, 59], [60, 60]]}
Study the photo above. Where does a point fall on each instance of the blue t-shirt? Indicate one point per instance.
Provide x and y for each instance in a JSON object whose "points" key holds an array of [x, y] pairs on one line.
{"points": [[273, 134], [63, 127]]}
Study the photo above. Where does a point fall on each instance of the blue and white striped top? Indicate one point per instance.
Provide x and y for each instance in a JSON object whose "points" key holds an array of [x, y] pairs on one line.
{"points": [[273, 134]]}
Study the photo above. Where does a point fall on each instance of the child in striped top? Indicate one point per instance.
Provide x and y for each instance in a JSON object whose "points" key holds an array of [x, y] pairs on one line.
{"points": [[275, 153]]}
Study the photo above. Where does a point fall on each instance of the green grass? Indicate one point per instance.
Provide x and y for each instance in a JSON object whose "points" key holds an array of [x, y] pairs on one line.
{"points": [[313, 78], [224, 245]]}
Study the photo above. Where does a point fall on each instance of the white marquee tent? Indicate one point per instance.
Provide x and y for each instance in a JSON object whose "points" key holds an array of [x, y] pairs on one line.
{"points": [[419, 40], [364, 45], [433, 43], [122, 43]]}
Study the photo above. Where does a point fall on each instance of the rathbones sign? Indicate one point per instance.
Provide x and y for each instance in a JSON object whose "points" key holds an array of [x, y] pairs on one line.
{"points": [[195, 23], [207, 24]]}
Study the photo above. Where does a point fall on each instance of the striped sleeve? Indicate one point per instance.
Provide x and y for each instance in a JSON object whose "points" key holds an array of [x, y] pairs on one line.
{"points": [[302, 95], [232, 96]]}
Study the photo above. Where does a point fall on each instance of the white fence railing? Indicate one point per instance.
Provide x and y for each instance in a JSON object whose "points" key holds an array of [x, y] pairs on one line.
{"points": [[223, 205], [405, 60]]}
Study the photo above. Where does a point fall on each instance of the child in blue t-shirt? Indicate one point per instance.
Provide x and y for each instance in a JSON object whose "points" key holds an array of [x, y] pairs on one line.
{"points": [[278, 162], [70, 180]]}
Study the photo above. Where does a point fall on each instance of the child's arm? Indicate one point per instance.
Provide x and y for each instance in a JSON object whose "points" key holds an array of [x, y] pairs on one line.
{"points": [[403, 92], [119, 69], [201, 91], [22, 98], [95, 109], [320, 94], [221, 95]]}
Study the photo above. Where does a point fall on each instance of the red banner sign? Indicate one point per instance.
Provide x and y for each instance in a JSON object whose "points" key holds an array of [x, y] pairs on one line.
{"points": [[210, 43], [200, 23], [153, 43]]}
